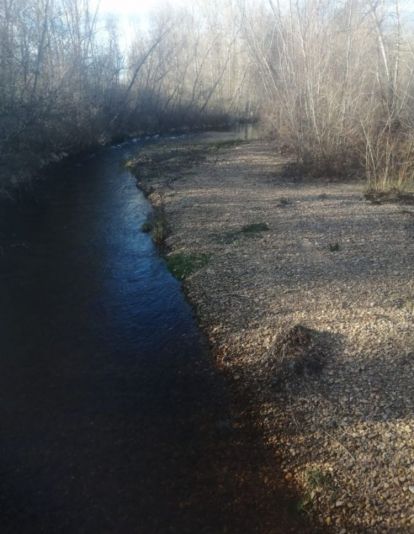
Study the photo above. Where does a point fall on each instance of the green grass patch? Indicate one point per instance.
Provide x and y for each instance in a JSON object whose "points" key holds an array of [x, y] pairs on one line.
{"points": [[334, 247], [181, 265], [316, 479]]}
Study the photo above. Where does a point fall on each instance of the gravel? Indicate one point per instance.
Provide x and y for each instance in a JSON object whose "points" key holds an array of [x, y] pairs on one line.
{"points": [[328, 262]]}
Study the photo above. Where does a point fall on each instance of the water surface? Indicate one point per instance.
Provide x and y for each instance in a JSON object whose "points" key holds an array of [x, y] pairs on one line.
{"points": [[112, 417], [95, 336]]}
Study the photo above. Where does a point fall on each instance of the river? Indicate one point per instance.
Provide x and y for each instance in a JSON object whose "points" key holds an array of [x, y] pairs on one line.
{"points": [[112, 416]]}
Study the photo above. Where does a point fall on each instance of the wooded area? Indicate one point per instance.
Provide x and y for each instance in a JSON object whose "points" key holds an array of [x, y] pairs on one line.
{"points": [[65, 84], [332, 78]]}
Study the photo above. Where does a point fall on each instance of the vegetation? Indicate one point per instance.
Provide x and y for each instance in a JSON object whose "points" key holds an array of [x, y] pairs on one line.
{"points": [[157, 225], [317, 479], [182, 264], [338, 82], [332, 79], [66, 84]]}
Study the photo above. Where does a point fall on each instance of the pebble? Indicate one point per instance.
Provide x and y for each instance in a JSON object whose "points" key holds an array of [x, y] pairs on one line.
{"points": [[364, 386]]}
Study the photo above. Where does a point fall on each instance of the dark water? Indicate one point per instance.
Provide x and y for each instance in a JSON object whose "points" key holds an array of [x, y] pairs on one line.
{"points": [[94, 334], [108, 402]]}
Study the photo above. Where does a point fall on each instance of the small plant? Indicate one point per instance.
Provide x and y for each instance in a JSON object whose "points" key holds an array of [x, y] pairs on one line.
{"points": [[316, 479], [255, 228], [334, 247], [181, 265], [156, 226], [159, 230]]}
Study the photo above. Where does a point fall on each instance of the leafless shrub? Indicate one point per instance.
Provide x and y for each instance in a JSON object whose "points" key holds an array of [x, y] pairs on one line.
{"points": [[337, 78], [65, 83]]}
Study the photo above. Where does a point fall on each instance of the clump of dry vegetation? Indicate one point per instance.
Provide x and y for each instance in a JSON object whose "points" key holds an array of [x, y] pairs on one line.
{"points": [[157, 225], [338, 81]]}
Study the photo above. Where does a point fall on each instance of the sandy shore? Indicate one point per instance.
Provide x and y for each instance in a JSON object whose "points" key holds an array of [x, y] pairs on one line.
{"points": [[307, 297]]}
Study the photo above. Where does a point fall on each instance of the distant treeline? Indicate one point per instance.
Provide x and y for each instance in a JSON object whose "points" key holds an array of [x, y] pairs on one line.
{"points": [[332, 79], [65, 84]]}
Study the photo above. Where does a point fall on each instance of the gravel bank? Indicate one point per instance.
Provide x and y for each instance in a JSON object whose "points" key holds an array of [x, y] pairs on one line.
{"points": [[308, 302]]}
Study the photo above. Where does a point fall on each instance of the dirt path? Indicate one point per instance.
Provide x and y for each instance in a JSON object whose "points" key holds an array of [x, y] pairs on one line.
{"points": [[308, 300]]}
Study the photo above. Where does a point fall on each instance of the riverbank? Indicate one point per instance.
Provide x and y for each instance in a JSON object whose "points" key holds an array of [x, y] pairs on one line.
{"points": [[306, 295], [20, 170]]}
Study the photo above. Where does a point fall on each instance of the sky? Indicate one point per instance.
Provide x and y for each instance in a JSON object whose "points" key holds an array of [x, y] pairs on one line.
{"points": [[128, 7], [136, 9], [133, 14]]}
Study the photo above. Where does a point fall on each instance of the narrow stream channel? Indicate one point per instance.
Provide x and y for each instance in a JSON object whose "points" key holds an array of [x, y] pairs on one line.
{"points": [[108, 401]]}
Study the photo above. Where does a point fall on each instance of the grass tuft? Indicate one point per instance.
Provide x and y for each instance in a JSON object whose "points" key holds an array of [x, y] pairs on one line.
{"points": [[181, 265], [157, 226], [316, 479]]}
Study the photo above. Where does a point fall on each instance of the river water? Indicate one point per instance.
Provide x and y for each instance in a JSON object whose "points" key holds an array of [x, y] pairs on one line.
{"points": [[109, 406]]}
